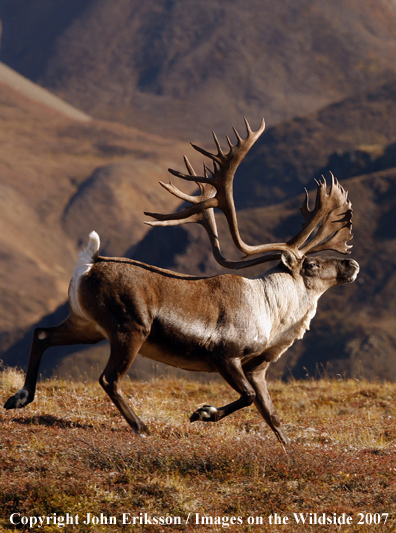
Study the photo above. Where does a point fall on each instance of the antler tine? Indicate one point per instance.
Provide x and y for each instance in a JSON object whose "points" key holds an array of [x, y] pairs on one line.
{"points": [[189, 177], [206, 153], [218, 146], [238, 137], [230, 143], [207, 171], [189, 214], [249, 129], [178, 193], [333, 211], [189, 166]]}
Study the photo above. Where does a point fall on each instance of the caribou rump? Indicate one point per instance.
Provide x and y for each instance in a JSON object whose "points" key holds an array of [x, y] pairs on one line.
{"points": [[227, 324]]}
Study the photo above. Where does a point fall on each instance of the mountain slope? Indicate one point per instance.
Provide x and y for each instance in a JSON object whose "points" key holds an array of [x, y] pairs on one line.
{"points": [[288, 157], [180, 67], [22, 85]]}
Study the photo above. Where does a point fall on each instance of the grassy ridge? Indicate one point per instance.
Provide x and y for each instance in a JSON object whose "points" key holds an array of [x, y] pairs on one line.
{"points": [[71, 452]]}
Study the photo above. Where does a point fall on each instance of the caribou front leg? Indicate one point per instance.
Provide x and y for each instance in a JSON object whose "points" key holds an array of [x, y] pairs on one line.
{"points": [[233, 373], [263, 402]]}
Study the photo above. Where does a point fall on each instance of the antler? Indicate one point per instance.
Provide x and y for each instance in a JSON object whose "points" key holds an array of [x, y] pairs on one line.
{"points": [[332, 210], [200, 212]]}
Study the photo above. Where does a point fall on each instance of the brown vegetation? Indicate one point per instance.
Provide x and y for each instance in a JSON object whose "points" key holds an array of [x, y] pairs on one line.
{"points": [[70, 451]]}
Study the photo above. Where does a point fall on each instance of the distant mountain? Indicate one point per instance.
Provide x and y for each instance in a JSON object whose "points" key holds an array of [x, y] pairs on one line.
{"points": [[32, 91], [184, 68], [350, 137]]}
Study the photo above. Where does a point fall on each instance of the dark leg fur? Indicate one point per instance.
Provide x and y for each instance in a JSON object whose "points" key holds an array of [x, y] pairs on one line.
{"points": [[122, 355], [67, 333], [233, 373], [263, 402]]}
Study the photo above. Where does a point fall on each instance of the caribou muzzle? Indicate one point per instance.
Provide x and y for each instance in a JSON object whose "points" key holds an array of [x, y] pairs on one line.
{"points": [[348, 270]]}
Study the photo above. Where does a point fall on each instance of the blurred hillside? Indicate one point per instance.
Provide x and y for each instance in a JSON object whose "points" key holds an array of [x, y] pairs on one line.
{"points": [[184, 68], [140, 79]]}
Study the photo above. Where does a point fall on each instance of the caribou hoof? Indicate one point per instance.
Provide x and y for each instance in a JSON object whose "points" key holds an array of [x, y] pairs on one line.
{"points": [[207, 413], [20, 399], [143, 431]]}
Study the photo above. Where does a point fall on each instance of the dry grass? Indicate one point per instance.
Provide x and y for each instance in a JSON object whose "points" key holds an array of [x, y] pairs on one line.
{"points": [[71, 452]]}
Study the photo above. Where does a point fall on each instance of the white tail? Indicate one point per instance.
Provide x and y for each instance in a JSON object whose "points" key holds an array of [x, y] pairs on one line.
{"points": [[90, 253], [86, 258]]}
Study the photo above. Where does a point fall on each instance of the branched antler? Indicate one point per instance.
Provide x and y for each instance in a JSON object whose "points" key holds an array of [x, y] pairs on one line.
{"points": [[332, 211]]}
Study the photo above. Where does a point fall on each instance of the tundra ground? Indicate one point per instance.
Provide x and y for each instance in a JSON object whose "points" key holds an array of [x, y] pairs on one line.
{"points": [[70, 451]]}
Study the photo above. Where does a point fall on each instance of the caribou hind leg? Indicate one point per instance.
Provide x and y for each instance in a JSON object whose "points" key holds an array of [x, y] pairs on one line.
{"points": [[70, 331]]}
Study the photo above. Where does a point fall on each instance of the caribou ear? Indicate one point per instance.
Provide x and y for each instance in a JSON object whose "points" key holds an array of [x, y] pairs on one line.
{"points": [[290, 261]]}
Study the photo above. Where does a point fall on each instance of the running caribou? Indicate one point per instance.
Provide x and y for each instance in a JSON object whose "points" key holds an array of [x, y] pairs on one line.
{"points": [[227, 324]]}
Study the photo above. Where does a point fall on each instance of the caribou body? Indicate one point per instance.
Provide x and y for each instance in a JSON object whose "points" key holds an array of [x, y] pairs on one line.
{"points": [[226, 324]]}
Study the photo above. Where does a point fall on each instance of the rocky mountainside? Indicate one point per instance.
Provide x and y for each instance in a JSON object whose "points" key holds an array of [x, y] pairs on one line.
{"points": [[184, 68]]}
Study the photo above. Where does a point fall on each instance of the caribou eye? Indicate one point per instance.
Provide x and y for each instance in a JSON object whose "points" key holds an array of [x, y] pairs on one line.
{"points": [[310, 265]]}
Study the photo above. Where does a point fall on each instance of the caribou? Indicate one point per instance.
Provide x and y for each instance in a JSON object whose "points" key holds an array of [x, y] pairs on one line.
{"points": [[229, 324]]}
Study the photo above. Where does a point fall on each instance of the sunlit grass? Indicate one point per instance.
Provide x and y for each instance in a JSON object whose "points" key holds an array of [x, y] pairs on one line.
{"points": [[71, 451]]}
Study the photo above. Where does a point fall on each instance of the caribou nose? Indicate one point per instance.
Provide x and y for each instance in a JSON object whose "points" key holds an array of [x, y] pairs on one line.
{"points": [[350, 263], [354, 264], [351, 269]]}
